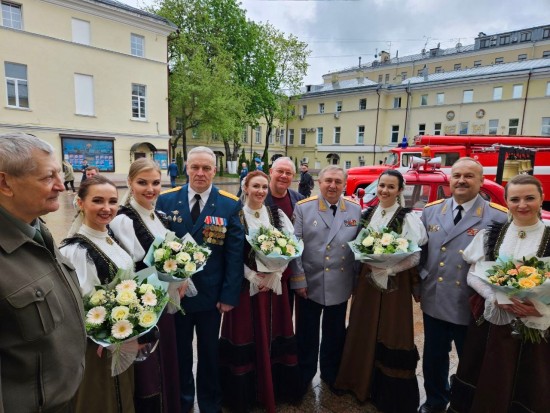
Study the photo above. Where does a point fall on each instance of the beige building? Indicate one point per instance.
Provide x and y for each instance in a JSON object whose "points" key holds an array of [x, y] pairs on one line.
{"points": [[88, 76], [500, 85]]}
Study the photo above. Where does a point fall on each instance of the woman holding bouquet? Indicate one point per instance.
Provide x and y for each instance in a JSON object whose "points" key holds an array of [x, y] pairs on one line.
{"points": [[137, 222], [258, 349], [380, 357], [97, 256], [500, 372]]}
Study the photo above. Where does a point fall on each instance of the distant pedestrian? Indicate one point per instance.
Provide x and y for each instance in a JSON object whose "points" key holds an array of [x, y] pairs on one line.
{"points": [[91, 171], [306, 181], [244, 172], [258, 163], [69, 176], [84, 165], [173, 173]]}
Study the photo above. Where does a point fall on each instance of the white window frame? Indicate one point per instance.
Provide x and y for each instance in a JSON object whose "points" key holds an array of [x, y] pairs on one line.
{"points": [[397, 102], [258, 135], [303, 132], [320, 136], [493, 127], [339, 106], [424, 100], [321, 108], [84, 94], [499, 60], [360, 135], [545, 126], [291, 136], [437, 128], [421, 128], [517, 91], [137, 45], [513, 129], [441, 98], [9, 11], [337, 137], [303, 110], [282, 136], [139, 101], [497, 93], [244, 136], [361, 106], [394, 137], [81, 31], [463, 128], [19, 84], [547, 88], [347, 164], [468, 96]]}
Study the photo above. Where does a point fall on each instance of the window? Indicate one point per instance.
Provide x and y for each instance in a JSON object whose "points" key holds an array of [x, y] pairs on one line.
{"points": [[258, 134], [302, 136], [244, 136], [81, 31], [319, 136], [546, 54], [321, 108], [497, 93], [291, 136], [361, 161], [493, 126], [522, 57], [396, 103], [16, 85], [84, 94], [548, 89], [438, 69], [271, 137], [348, 164], [440, 98], [403, 75], [360, 135], [394, 134], [337, 132], [499, 60], [437, 128], [419, 72], [505, 39], [304, 110], [545, 128], [546, 33], [422, 129], [379, 78], [282, 137], [468, 96], [484, 42], [11, 15], [463, 128], [513, 126], [362, 104], [137, 45], [477, 63], [387, 78], [424, 100], [339, 106], [138, 101], [517, 91], [457, 66], [525, 36]]}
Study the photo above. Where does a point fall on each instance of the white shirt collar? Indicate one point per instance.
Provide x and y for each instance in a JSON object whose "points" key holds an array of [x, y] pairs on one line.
{"points": [[466, 205], [204, 195]]}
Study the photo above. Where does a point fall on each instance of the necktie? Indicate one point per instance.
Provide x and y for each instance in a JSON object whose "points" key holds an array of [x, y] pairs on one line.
{"points": [[196, 210], [334, 208], [459, 214]]}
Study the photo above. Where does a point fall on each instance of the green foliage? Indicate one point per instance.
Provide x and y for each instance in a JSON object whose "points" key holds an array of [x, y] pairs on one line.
{"points": [[265, 162], [179, 162]]}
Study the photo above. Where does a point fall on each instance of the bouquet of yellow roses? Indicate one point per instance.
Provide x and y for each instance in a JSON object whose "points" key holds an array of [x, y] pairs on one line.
{"points": [[117, 314]]}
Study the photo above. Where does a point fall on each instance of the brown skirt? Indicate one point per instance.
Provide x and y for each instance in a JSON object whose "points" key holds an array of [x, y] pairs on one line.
{"points": [[380, 357]]}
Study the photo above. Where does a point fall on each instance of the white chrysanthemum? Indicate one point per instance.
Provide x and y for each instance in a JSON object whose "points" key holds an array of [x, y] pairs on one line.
{"points": [[368, 241], [281, 242], [126, 297], [120, 312], [277, 233], [183, 257], [262, 238], [170, 266], [277, 250], [386, 239], [143, 288], [147, 319], [149, 299], [98, 297], [402, 244], [96, 315], [174, 246], [290, 250], [159, 254], [190, 267], [126, 285], [122, 329], [378, 250], [199, 256]]}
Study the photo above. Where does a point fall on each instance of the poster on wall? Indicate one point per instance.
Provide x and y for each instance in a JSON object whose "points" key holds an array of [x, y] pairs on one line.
{"points": [[98, 152], [161, 157]]}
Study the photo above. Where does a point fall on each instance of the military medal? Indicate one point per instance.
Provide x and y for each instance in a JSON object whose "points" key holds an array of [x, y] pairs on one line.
{"points": [[383, 213], [109, 240]]}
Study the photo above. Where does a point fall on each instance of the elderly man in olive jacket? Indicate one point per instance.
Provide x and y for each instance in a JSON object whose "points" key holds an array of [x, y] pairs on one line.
{"points": [[42, 335]]}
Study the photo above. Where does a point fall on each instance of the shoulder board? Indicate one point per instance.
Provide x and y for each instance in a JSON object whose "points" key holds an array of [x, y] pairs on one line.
{"points": [[498, 206], [311, 198], [434, 203], [354, 201], [176, 189], [228, 195]]}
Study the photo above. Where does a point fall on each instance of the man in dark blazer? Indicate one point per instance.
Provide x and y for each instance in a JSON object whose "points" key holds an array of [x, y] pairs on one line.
{"points": [[451, 225], [217, 224]]}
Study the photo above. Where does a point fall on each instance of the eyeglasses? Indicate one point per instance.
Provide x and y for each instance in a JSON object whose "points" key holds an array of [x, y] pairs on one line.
{"points": [[282, 172]]}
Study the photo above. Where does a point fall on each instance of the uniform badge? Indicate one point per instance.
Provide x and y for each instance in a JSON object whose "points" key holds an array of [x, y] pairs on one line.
{"points": [[314, 223], [350, 223], [433, 228], [214, 230], [472, 231]]}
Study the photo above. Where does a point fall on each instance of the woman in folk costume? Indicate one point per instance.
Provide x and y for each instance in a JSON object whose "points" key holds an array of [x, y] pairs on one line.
{"points": [[380, 357], [257, 344], [500, 372], [156, 378], [97, 256]]}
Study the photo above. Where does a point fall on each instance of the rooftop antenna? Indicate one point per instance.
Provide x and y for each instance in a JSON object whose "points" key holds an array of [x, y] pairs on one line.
{"points": [[359, 62]]}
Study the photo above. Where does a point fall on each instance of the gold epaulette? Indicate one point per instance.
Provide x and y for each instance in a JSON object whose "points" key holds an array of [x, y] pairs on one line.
{"points": [[177, 188], [434, 203], [228, 195], [311, 198], [498, 206], [356, 202]]}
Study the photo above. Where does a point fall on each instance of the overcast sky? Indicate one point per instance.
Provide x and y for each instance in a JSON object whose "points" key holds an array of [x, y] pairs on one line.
{"points": [[339, 31]]}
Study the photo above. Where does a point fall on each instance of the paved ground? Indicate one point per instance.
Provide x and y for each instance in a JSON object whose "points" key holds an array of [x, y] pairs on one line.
{"points": [[319, 398]]}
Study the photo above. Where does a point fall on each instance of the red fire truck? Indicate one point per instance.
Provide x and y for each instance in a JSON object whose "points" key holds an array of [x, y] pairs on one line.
{"points": [[449, 148]]}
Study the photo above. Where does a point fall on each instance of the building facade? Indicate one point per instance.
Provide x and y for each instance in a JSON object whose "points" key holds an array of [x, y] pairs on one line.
{"points": [[88, 76]]}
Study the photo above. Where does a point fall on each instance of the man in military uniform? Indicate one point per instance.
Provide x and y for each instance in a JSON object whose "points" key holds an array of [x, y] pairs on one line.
{"points": [[444, 294], [211, 216], [323, 277]]}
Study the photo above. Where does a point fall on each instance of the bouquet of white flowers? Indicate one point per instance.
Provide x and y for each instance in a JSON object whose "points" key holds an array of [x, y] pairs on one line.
{"points": [[384, 247], [120, 312], [176, 261]]}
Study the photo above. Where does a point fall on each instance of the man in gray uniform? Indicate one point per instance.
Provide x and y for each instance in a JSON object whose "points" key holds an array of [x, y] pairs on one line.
{"points": [[323, 277], [451, 225]]}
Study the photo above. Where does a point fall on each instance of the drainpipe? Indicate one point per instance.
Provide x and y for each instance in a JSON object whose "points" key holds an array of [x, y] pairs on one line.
{"points": [[376, 128], [525, 100], [408, 90]]}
